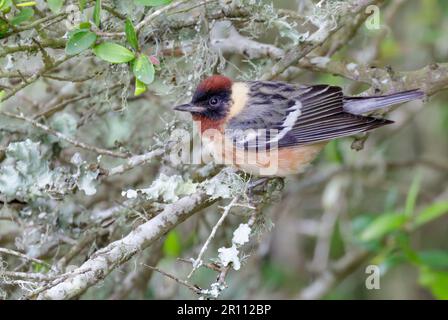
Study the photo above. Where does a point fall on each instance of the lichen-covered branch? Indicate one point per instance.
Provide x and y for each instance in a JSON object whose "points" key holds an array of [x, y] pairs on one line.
{"points": [[103, 261]]}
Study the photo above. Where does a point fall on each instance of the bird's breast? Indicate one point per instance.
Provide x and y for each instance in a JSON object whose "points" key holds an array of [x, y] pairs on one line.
{"points": [[274, 162]]}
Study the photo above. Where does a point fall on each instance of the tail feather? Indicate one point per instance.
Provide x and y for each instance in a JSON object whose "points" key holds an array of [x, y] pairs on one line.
{"points": [[361, 105]]}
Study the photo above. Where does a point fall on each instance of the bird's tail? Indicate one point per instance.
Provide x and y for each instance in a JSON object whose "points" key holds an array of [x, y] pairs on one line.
{"points": [[360, 105]]}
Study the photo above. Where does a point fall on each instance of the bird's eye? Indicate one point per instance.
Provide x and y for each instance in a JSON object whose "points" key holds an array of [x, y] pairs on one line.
{"points": [[213, 101]]}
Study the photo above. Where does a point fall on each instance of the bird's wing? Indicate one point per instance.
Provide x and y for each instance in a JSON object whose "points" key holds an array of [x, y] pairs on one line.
{"points": [[284, 115]]}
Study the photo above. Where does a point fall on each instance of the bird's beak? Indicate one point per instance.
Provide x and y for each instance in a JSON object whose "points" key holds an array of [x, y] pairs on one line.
{"points": [[188, 107]]}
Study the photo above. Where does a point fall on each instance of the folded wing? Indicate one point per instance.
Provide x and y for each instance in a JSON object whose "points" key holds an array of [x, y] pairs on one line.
{"points": [[283, 115]]}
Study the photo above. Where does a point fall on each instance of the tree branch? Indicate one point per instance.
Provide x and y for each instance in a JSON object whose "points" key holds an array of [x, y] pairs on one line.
{"points": [[61, 136], [102, 262]]}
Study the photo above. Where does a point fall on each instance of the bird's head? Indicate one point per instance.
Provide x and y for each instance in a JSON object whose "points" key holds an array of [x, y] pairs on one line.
{"points": [[211, 100]]}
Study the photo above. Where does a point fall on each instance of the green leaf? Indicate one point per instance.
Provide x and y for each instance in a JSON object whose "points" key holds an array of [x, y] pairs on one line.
{"points": [[172, 245], [383, 225], [153, 3], [5, 6], [85, 25], [4, 27], [39, 267], [435, 259], [55, 5], [143, 69], [2, 94], [435, 281], [79, 42], [82, 4], [26, 4], [113, 53], [140, 87], [24, 15], [432, 212], [411, 199], [97, 13], [131, 35]]}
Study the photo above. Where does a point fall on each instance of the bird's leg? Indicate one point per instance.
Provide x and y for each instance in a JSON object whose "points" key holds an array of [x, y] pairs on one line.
{"points": [[264, 187], [258, 182], [251, 188], [277, 181]]}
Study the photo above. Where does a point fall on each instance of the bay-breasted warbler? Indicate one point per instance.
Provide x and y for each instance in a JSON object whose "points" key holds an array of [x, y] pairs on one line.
{"points": [[275, 128]]}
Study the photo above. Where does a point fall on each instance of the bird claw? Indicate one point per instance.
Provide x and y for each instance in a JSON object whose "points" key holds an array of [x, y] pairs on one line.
{"points": [[258, 182], [264, 183]]}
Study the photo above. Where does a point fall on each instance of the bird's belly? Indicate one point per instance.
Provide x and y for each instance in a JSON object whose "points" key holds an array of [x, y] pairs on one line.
{"points": [[275, 162]]}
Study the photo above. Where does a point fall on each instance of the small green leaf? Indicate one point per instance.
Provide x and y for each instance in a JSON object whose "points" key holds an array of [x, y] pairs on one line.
{"points": [[113, 53], [73, 32], [383, 225], [97, 13], [55, 5], [2, 4], [131, 35], [4, 27], [140, 87], [82, 4], [143, 69], [172, 245], [432, 212], [5, 6], [26, 4], [2, 94], [153, 3], [85, 25], [24, 15], [436, 282], [79, 42], [38, 267]]}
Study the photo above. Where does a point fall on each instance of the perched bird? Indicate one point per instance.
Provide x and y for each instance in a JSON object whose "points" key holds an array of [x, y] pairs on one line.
{"points": [[272, 128]]}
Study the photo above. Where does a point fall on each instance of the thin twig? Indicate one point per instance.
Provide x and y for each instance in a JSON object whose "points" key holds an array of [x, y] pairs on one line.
{"points": [[158, 12], [211, 266], [27, 276], [55, 282], [35, 77], [23, 256], [62, 104], [135, 161], [185, 283], [64, 137], [198, 261]]}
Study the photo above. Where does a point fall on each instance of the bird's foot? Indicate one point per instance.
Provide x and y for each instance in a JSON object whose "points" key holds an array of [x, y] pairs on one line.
{"points": [[265, 184]]}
